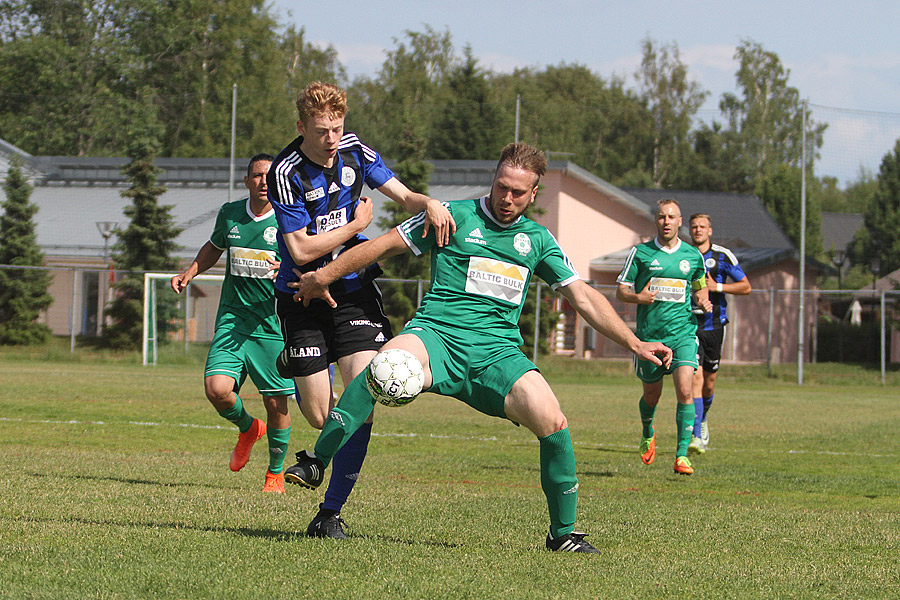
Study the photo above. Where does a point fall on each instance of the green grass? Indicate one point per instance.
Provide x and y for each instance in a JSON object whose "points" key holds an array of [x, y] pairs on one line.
{"points": [[115, 485]]}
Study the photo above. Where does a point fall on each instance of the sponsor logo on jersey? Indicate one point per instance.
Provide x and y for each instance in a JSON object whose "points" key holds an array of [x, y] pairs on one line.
{"points": [[655, 263], [348, 176], [304, 352], [476, 233], [496, 279], [522, 244], [315, 194], [710, 262], [380, 337], [684, 266], [334, 188], [364, 322], [333, 220], [668, 290], [476, 237], [235, 233], [249, 262], [269, 234]]}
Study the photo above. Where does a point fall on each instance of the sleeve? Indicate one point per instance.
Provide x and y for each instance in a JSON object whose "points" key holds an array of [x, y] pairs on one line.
{"points": [[698, 277], [220, 231], [629, 270], [411, 232], [555, 267], [734, 269], [286, 195], [376, 172]]}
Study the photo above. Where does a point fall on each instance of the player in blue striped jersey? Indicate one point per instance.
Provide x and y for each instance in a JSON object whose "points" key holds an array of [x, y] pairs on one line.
{"points": [[721, 265], [315, 186]]}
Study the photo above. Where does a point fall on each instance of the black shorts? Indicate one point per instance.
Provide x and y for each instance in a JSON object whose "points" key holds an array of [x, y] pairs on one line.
{"points": [[710, 349], [317, 335]]}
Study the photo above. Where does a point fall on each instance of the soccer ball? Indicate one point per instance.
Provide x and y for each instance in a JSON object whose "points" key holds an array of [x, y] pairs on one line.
{"points": [[395, 377]]}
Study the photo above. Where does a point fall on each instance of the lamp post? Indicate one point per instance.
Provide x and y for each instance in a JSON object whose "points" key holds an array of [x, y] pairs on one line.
{"points": [[106, 229], [838, 258]]}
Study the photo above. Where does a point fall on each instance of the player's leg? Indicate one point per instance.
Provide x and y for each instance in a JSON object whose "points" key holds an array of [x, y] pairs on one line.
{"points": [[347, 463], [532, 404], [223, 376], [710, 366], [683, 378], [696, 444], [652, 390]]}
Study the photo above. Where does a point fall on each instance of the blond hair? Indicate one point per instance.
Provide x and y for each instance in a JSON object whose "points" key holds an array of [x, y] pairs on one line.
{"points": [[700, 216], [321, 100]]}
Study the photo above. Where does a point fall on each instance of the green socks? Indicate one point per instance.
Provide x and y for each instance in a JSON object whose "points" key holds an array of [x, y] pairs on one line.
{"points": [[351, 412], [237, 415], [647, 413], [558, 481], [684, 425], [278, 447]]}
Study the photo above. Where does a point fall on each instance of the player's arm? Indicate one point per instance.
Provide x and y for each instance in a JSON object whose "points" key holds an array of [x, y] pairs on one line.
{"points": [[207, 256], [436, 214], [738, 288], [599, 313], [701, 293], [315, 283], [626, 293], [304, 247]]}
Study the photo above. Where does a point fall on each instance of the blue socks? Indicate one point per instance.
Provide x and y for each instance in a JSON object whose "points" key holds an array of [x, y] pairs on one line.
{"points": [[345, 467], [698, 415]]}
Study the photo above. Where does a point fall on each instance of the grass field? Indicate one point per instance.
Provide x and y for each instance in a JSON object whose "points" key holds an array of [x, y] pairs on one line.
{"points": [[115, 485]]}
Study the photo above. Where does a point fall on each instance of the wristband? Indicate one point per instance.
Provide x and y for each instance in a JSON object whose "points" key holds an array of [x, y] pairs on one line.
{"points": [[718, 287]]}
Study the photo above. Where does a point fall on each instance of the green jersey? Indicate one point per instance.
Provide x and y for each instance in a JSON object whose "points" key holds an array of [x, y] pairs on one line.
{"points": [[479, 280], [672, 274], [247, 303]]}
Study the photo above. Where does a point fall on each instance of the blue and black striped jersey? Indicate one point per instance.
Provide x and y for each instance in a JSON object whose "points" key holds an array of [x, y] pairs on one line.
{"points": [[319, 199], [721, 263]]}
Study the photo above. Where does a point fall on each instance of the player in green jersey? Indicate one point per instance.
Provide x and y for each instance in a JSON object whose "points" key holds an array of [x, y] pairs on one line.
{"points": [[666, 271], [247, 337], [465, 333]]}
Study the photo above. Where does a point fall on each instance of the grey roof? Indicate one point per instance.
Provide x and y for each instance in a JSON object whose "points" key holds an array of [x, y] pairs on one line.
{"points": [[739, 221], [838, 229]]}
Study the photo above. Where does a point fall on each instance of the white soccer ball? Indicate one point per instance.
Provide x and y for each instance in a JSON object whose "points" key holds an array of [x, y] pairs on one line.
{"points": [[395, 377]]}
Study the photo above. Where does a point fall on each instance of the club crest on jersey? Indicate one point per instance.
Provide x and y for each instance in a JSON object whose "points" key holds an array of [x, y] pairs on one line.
{"points": [[710, 262], [684, 266], [314, 194], [333, 220], [269, 234], [522, 244], [348, 176]]}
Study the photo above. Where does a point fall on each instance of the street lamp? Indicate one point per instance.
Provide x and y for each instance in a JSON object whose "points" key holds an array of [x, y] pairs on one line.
{"points": [[839, 257], [106, 229]]}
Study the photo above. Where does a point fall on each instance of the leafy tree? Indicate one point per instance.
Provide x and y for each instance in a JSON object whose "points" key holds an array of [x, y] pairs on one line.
{"points": [[145, 245], [878, 243], [401, 299], [764, 125], [673, 102], [470, 126], [23, 293], [861, 191], [779, 188]]}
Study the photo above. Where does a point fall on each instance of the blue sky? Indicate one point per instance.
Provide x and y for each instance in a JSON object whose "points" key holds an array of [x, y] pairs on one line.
{"points": [[841, 55]]}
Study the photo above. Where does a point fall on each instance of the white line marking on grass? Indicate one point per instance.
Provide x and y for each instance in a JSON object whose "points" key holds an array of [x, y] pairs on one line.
{"points": [[426, 436]]}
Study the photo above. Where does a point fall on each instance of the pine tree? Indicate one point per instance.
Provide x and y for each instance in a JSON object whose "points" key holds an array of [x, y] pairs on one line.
{"points": [[145, 245], [23, 292], [878, 244], [401, 300]]}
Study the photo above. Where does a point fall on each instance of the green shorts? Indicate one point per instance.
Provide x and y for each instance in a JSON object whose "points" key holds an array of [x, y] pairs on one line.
{"points": [[479, 370], [237, 355], [684, 352]]}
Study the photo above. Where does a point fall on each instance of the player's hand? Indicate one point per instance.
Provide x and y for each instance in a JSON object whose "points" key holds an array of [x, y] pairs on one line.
{"points": [[706, 305], [655, 352], [646, 296], [180, 281], [309, 287], [362, 214], [272, 271], [438, 216]]}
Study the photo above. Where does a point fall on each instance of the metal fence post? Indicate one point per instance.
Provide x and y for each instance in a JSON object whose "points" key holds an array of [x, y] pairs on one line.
{"points": [[769, 336]]}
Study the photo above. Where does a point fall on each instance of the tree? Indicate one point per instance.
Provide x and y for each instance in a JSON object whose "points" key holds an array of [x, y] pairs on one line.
{"points": [[878, 243], [470, 127], [23, 293], [764, 125], [145, 245], [673, 101], [401, 300], [779, 190]]}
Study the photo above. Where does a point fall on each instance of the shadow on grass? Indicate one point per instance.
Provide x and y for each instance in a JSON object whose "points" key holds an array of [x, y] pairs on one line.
{"points": [[129, 480]]}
